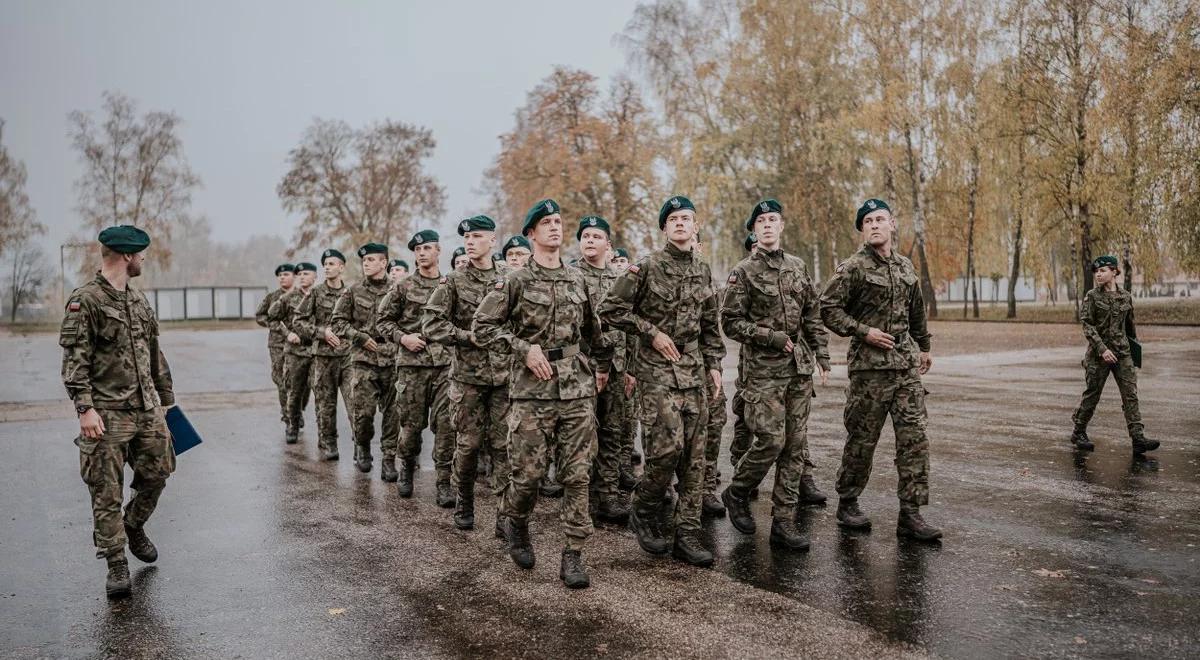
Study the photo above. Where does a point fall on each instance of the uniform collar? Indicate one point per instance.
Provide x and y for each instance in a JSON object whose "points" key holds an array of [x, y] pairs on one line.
{"points": [[677, 254], [544, 273], [773, 258], [109, 289], [866, 248], [584, 265]]}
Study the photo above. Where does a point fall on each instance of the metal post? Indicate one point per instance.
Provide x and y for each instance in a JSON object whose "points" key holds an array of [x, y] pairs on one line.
{"points": [[185, 303], [213, 297]]}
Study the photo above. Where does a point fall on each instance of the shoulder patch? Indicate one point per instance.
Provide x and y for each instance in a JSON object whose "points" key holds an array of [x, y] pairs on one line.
{"points": [[841, 268], [499, 284], [633, 268], [443, 280], [733, 278], [73, 306]]}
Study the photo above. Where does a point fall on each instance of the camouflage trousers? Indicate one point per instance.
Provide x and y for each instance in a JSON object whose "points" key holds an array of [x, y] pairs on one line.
{"points": [[421, 400], [741, 432], [777, 417], [536, 430], [136, 437], [870, 398], [610, 427], [1096, 372], [279, 377], [330, 375], [479, 419], [373, 389], [673, 439], [629, 423], [299, 385], [712, 447]]}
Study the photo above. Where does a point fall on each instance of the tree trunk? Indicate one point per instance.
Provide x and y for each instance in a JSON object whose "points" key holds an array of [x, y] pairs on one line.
{"points": [[972, 194], [917, 179], [1017, 238]]}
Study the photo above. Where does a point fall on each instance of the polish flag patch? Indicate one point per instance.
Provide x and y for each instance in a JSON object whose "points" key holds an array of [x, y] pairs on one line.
{"points": [[733, 278], [73, 306], [633, 268]]}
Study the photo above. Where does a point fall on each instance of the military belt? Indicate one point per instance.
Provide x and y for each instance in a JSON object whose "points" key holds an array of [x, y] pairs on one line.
{"points": [[688, 347], [562, 352]]}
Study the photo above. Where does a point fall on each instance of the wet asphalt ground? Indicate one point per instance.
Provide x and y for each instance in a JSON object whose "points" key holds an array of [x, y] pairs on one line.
{"points": [[268, 552]]}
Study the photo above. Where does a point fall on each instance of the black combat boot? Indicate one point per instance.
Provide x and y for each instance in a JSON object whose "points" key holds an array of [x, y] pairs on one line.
{"points": [[809, 493], [404, 485], [1141, 445], [140, 545], [911, 525], [612, 509], [739, 511], [329, 454], [519, 546], [292, 435], [850, 516], [688, 549], [387, 469], [787, 534], [645, 526], [1080, 438], [445, 495], [362, 458], [711, 506], [117, 585], [572, 572], [464, 507]]}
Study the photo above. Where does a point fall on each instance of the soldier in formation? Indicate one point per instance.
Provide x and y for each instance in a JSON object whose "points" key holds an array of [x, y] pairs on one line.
{"points": [[298, 360], [276, 337], [313, 322]]}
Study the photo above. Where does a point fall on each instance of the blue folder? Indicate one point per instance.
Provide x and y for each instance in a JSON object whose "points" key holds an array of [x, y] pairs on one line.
{"points": [[183, 434]]}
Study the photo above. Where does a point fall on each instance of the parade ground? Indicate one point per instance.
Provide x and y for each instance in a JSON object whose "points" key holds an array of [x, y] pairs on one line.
{"points": [[267, 552]]}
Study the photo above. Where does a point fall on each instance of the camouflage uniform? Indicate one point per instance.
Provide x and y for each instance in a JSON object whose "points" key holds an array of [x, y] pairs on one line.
{"points": [[276, 346], [548, 307], [670, 291], [421, 377], [610, 403], [372, 384], [868, 291], [112, 362], [330, 366], [478, 387], [1107, 318], [298, 360], [770, 300], [717, 417]]}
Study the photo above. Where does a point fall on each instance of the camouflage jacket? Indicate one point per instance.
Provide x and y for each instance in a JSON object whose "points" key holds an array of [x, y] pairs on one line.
{"points": [[400, 314], [354, 320], [868, 291], [314, 315], [276, 337], [669, 291], [599, 282], [548, 307], [1107, 318], [770, 299], [111, 357], [447, 321], [283, 314]]}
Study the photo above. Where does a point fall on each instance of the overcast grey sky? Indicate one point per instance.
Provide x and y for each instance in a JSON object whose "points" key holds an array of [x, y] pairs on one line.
{"points": [[248, 77]]}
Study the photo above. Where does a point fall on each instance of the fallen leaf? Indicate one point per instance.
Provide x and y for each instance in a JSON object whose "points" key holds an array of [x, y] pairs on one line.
{"points": [[337, 611], [1080, 640], [1047, 573]]}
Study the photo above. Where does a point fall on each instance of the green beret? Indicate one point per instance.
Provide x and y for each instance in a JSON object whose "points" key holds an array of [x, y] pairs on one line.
{"points": [[372, 248], [672, 205], [765, 206], [398, 262], [305, 265], [422, 237], [592, 222], [125, 239], [537, 212], [515, 242], [458, 252], [284, 268], [869, 206], [751, 239], [336, 254], [621, 252], [1106, 260], [476, 223]]}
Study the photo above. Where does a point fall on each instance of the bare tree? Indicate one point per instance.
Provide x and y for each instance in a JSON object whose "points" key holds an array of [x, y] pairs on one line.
{"points": [[28, 277], [17, 218], [135, 171], [352, 186]]}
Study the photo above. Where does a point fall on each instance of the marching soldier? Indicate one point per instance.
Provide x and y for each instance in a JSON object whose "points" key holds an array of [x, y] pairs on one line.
{"points": [[668, 301], [542, 312], [115, 373], [874, 298], [1107, 318], [421, 368], [299, 352], [594, 235], [478, 388], [770, 307], [372, 355], [276, 338], [330, 355]]}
